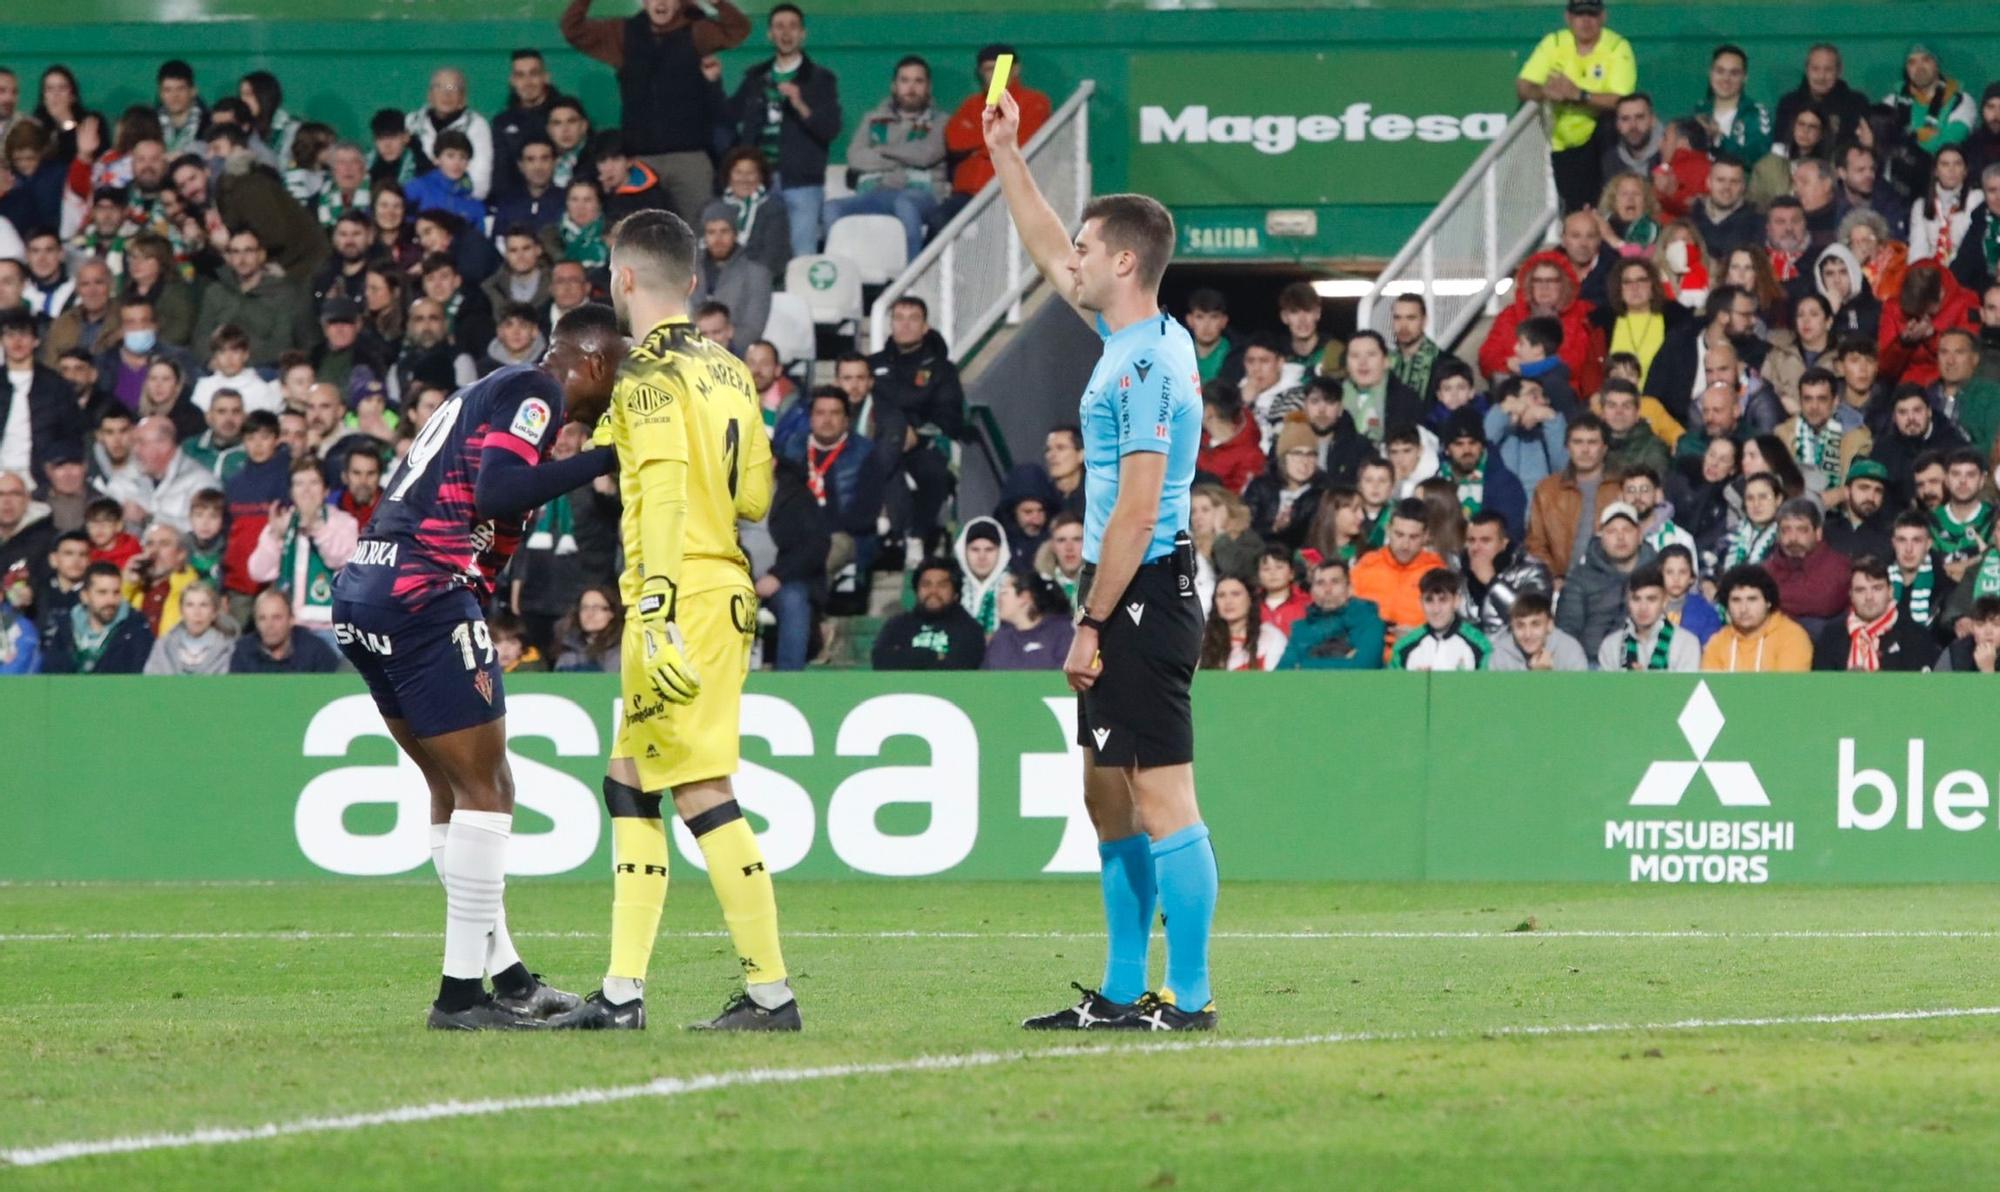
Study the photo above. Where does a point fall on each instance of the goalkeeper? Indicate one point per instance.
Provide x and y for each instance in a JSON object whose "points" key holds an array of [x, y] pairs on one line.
{"points": [[693, 458]]}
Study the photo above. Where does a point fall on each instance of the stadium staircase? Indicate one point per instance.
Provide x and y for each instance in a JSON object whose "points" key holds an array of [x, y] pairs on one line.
{"points": [[1463, 256], [1022, 367]]}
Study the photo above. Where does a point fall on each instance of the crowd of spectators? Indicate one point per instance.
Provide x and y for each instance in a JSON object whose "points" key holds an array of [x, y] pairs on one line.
{"points": [[225, 321], [1740, 415]]}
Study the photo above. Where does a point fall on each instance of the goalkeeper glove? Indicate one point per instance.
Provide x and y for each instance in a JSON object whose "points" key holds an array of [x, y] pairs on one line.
{"points": [[665, 654], [600, 435]]}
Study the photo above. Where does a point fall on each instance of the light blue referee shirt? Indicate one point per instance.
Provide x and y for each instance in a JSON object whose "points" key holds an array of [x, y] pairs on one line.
{"points": [[1145, 395]]}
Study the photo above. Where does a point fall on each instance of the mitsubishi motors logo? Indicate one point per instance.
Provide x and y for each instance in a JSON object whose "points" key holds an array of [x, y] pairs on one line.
{"points": [[1666, 782], [1724, 849]]}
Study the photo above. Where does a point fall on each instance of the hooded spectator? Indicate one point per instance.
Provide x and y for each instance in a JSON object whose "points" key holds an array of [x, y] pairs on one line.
{"points": [[1758, 637], [983, 558], [1546, 286]]}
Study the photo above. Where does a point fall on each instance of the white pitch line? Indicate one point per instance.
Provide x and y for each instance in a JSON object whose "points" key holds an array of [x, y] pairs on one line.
{"points": [[677, 1086], [310, 936]]}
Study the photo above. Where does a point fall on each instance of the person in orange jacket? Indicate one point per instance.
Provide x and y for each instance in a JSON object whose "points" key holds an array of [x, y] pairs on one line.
{"points": [[1388, 577], [965, 138], [1758, 638]]}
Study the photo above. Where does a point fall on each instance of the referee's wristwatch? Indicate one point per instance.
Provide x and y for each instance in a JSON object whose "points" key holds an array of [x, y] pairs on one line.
{"points": [[1085, 620]]}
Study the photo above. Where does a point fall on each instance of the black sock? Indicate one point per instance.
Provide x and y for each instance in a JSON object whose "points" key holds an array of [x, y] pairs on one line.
{"points": [[459, 993], [514, 981]]}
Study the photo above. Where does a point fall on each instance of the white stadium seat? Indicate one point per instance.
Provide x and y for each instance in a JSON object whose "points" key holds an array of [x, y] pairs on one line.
{"points": [[830, 285], [790, 328], [874, 242]]}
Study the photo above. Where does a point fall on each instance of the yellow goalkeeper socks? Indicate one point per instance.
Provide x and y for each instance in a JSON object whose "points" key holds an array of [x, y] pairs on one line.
{"points": [[638, 886], [743, 887]]}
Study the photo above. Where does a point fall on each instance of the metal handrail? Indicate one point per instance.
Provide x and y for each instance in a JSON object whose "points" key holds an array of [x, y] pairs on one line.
{"points": [[940, 253], [1418, 254]]}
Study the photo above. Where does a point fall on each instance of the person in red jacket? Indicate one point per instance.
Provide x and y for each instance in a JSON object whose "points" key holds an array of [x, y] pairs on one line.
{"points": [[1229, 450], [1278, 590], [965, 138], [1812, 577], [1930, 303], [1546, 285], [1682, 175]]}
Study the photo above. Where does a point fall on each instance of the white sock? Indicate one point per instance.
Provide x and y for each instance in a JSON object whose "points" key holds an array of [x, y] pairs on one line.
{"points": [[475, 879], [770, 994], [500, 953], [619, 990]]}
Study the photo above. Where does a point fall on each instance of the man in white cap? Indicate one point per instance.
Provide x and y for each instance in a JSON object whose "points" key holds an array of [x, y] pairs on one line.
{"points": [[1593, 598]]}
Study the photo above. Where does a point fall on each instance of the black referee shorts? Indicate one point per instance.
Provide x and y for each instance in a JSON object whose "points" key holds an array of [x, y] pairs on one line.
{"points": [[1138, 712]]}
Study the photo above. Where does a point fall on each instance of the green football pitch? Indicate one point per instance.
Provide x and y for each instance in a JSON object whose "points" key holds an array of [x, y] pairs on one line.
{"points": [[1450, 1036]]}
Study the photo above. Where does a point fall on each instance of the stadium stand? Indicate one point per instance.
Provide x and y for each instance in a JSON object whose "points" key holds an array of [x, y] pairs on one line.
{"points": [[1762, 326]]}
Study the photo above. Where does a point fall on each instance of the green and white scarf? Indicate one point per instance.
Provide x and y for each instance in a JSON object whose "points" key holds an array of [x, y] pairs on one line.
{"points": [[1472, 489], [1376, 529], [1990, 243], [1920, 588], [1986, 582], [406, 168], [1750, 544], [1962, 540], [1414, 370], [555, 528], [566, 164], [746, 211], [90, 640], [315, 575], [1662, 646], [1662, 536], [327, 207], [585, 244], [1818, 448]]}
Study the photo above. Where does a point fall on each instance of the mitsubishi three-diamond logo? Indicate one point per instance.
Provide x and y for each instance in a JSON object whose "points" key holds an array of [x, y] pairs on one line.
{"points": [[1666, 782]]}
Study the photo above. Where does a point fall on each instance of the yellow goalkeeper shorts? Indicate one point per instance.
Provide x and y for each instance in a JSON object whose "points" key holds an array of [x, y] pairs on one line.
{"points": [[675, 744]]}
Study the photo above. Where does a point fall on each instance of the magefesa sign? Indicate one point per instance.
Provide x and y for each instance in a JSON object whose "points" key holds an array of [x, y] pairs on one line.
{"points": [[1313, 128]]}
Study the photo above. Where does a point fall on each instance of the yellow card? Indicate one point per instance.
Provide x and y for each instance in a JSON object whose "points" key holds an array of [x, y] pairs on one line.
{"points": [[1002, 67]]}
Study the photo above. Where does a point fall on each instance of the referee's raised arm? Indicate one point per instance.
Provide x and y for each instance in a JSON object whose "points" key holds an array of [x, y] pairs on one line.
{"points": [[1041, 229]]}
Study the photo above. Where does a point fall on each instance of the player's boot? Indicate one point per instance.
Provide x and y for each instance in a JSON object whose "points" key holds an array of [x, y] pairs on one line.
{"points": [[541, 1001], [597, 1014], [744, 1014], [487, 1015], [1155, 1013], [1093, 1011]]}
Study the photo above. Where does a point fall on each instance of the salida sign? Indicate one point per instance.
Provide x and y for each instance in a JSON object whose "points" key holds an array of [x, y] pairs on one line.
{"points": [[1313, 128]]}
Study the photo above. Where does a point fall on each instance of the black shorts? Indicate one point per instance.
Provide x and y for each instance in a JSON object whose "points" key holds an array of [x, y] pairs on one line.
{"points": [[435, 668], [1138, 712]]}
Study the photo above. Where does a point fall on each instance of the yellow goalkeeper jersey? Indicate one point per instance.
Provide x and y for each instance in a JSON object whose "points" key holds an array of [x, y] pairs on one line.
{"points": [[681, 398]]}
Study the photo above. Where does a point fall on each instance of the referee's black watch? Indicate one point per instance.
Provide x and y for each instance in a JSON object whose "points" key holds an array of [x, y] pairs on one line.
{"points": [[1084, 619]]}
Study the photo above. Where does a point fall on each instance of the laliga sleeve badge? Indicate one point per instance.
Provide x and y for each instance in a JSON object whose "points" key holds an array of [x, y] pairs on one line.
{"points": [[483, 684], [530, 421]]}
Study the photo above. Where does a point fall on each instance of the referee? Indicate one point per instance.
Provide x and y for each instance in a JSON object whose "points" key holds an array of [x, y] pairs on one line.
{"points": [[1139, 623]]}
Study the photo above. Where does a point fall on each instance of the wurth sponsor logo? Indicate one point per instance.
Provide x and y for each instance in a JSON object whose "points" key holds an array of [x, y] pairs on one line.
{"points": [[1704, 851]]}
